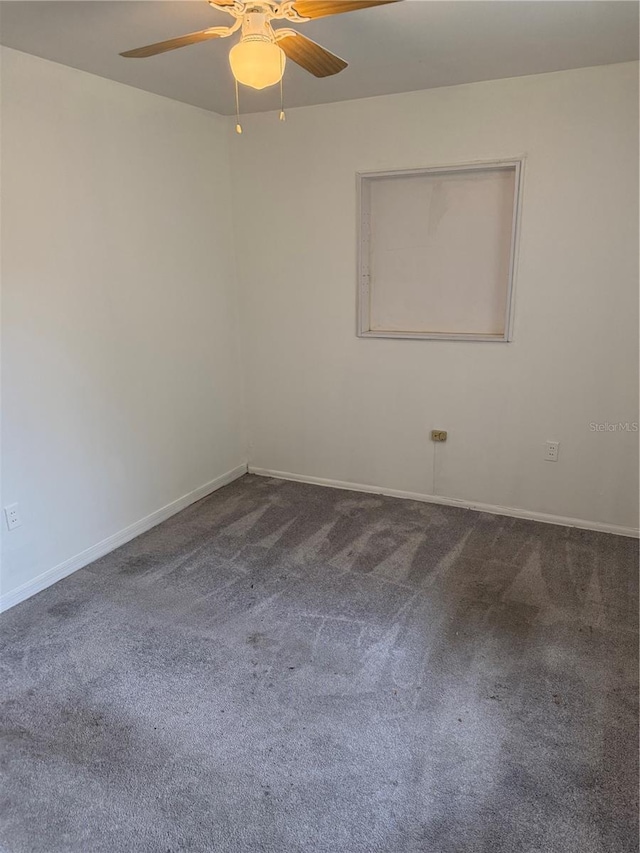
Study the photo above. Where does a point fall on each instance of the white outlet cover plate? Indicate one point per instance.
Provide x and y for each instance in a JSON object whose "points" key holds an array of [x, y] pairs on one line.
{"points": [[12, 517], [552, 450]]}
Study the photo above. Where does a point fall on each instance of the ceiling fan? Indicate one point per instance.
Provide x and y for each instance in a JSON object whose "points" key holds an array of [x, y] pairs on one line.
{"points": [[258, 58]]}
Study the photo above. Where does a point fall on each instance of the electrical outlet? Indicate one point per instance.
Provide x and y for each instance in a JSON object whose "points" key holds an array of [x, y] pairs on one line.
{"points": [[12, 516], [438, 435], [552, 448]]}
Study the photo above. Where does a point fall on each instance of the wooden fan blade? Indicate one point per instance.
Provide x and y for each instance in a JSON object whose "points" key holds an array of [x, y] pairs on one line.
{"points": [[171, 44], [311, 56], [323, 8]]}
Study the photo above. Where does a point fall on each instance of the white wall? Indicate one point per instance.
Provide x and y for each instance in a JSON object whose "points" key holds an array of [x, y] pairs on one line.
{"points": [[121, 384], [324, 403], [121, 375]]}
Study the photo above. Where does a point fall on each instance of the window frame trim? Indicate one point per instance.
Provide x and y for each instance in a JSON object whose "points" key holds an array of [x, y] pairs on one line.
{"points": [[363, 290]]}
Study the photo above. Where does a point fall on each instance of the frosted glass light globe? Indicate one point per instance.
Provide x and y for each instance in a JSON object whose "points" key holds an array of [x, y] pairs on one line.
{"points": [[258, 63]]}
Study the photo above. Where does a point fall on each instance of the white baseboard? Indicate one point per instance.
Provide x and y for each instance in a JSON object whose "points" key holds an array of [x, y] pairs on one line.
{"points": [[513, 512], [83, 559]]}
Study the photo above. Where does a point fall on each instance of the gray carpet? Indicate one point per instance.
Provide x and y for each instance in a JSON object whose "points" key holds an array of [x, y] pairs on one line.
{"points": [[284, 667]]}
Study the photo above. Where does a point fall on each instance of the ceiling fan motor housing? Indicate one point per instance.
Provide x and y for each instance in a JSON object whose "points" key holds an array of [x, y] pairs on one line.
{"points": [[256, 26]]}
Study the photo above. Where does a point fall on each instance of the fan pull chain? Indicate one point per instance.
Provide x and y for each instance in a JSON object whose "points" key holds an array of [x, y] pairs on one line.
{"points": [[282, 115], [238, 125]]}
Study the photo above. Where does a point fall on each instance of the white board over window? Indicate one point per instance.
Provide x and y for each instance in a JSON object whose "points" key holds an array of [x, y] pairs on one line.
{"points": [[437, 252]]}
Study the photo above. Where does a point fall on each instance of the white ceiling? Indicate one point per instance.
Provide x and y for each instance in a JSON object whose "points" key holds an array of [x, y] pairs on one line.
{"points": [[416, 44]]}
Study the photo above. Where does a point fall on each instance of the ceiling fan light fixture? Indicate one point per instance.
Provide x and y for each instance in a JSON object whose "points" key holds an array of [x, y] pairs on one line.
{"points": [[257, 62]]}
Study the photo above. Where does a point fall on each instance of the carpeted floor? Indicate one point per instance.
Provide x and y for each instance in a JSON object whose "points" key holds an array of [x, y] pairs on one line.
{"points": [[288, 668]]}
